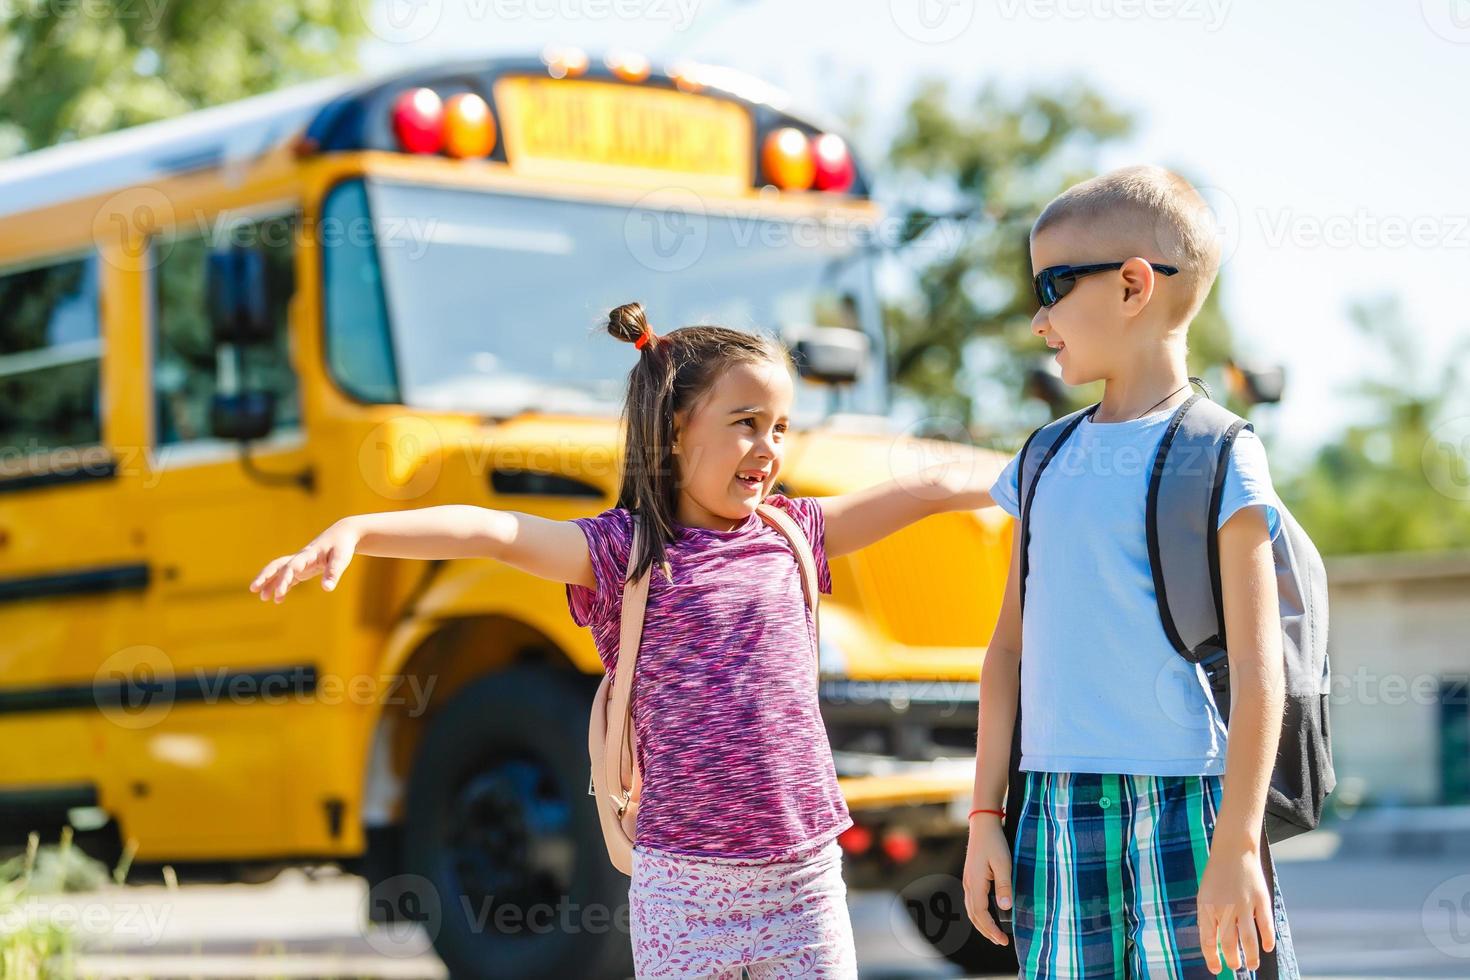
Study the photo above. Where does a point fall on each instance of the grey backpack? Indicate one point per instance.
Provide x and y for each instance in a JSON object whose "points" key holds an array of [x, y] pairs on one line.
{"points": [[1184, 496]]}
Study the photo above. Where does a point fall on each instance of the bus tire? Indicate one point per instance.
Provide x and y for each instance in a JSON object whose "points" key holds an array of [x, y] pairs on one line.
{"points": [[501, 835]]}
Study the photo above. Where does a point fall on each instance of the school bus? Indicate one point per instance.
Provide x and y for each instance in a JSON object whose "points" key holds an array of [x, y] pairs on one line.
{"points": [[222, 332]]}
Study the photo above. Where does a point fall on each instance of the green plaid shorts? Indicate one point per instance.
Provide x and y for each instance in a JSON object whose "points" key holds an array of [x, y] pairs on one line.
{"points": [[1105, 876]]}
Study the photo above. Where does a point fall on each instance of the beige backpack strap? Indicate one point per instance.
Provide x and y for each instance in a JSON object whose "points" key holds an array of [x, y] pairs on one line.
{"points": [[621, 760], [782, 521]]}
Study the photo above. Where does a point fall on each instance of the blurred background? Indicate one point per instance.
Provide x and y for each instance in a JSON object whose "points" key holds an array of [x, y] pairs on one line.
{"points": [[267, 263]]}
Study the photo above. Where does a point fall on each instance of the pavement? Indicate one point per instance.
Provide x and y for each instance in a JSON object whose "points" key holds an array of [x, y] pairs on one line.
{"points": [[1378, 897]]}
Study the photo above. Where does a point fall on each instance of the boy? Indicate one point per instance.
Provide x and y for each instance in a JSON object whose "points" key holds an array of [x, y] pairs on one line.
{"points": [[1134, 854]]}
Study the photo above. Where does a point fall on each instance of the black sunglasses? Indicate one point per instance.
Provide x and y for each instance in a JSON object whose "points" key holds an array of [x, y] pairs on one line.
{"points": [[1054, 282]]}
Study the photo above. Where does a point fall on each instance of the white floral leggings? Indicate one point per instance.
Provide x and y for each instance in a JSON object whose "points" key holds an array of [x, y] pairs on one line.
{"points": [[707, 918]]}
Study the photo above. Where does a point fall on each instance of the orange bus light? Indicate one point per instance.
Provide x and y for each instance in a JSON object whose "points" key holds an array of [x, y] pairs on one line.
{"points": [[786, 158], [469, 129], [630, 66], [564, 62]]}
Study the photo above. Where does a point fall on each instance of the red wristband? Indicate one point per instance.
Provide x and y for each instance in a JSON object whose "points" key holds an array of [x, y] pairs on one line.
{"points": [[981, 809]]}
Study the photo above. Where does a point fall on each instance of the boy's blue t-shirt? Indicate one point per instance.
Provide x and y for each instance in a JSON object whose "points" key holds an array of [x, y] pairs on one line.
{"points": [[1102, 689]]}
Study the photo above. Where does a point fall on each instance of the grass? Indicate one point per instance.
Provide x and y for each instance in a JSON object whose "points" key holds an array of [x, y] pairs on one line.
{"points": [[45, 950], [31, 946]]}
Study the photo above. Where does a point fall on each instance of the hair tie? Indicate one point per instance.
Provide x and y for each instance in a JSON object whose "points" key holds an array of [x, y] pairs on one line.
{"points": [[644, 338]]}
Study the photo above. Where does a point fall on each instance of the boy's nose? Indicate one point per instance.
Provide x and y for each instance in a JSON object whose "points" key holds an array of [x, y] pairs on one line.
{"points": [[1039, 322]]}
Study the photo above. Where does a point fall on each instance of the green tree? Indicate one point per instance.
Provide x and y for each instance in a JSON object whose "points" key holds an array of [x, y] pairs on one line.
{"points": [[973, 180], [1396, 482], [74, 69]]}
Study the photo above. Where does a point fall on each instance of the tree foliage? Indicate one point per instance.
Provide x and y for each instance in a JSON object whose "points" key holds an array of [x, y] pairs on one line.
{"points": [[972, 178], [1397, 481], [75, 68]]}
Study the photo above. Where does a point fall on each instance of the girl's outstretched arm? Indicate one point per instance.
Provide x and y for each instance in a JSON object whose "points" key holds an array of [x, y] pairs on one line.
{"points": [[555, 550], [856, 520]]}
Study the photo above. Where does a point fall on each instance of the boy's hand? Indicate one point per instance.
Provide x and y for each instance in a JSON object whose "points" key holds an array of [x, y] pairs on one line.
{"points": [[327, 555], [987, 859], [1234, 909]]}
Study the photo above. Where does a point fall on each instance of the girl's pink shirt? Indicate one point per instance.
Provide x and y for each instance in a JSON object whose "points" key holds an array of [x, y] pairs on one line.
{"points": [[731, 744]]}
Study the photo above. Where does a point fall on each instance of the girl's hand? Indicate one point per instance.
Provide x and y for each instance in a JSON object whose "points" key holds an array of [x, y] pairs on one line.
{"points": [[987, 859], [327, 555]]}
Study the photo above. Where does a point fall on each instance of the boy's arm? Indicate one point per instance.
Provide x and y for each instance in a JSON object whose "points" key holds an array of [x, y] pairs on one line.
{"points": [[987, 861], [1000, 693], [555, 550], [1233, 900], [858, 519]]}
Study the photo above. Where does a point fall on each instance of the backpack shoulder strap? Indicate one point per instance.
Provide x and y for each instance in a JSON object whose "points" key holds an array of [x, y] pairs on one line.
{"points": [[805, 560], [620, 759], [1185, 491], [1038, 450]]}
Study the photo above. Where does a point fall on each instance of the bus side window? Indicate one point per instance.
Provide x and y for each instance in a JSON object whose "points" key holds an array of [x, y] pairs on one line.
{"points": [[184, 361], [50, 360]]}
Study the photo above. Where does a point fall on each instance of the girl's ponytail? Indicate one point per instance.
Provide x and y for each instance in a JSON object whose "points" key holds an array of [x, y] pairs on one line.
{"points": [[628, 322], [671, 373], [648, 487]]}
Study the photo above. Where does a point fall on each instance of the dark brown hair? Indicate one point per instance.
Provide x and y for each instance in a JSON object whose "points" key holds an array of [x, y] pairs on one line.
{"points": [[672, 372]]}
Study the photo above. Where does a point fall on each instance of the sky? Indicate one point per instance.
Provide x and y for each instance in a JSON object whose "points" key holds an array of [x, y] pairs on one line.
{"points": [[1327, 137]]}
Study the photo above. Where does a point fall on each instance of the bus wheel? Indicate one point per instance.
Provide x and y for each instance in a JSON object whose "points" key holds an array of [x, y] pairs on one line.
{"points": [[502, 840]]}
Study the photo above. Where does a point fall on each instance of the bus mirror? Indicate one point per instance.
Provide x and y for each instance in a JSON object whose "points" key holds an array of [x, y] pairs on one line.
{"points": [[829, 355], [1255, 384], [1044, 381], [238, 296], [244, 415]]}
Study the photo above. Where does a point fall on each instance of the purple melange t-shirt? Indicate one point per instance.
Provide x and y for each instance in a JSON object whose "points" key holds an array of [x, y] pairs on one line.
{"points": [[731, 745]]}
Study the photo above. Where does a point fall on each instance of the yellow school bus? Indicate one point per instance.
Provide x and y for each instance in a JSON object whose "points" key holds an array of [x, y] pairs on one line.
{"points": [[222, 332]]}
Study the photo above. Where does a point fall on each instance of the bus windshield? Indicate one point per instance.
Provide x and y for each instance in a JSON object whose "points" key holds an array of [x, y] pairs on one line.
{"points": [[466, 300]]}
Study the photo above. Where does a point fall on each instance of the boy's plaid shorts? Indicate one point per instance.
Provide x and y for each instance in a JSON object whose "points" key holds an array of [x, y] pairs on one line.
{"points": [[1105, 875]]}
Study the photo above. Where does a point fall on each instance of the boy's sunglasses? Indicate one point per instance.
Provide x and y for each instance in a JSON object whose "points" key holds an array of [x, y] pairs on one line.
{"points": [[1054, 282]]}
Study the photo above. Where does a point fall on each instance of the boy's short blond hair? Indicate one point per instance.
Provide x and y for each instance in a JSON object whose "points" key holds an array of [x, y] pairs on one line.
{"points": [[1150, 212]]}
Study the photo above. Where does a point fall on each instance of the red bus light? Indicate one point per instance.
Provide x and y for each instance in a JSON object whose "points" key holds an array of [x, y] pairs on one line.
{"points": [[418, 120], [900, 846], [856, 839], [834, 170]]}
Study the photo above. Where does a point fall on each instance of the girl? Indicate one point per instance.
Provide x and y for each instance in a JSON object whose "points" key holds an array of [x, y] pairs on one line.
{"points": [[736, 860]]}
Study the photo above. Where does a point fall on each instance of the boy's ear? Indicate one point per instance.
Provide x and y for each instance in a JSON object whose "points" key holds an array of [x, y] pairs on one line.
{"points": [[1138, 284]]}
